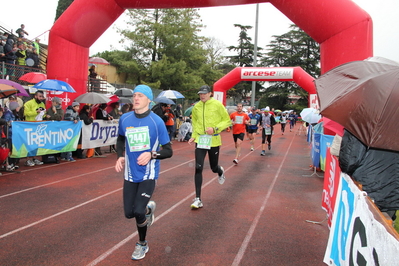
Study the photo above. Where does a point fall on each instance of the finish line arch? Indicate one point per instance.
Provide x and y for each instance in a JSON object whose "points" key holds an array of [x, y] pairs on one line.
{"points": [[238, 74], [343, 30]]}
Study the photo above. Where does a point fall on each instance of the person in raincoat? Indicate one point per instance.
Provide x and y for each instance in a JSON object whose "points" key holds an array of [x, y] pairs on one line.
{"points": [[209, 118], [185, 131]]}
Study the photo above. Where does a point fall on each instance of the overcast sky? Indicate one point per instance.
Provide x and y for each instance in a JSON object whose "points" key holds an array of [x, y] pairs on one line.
{"points": [[38, 17]]}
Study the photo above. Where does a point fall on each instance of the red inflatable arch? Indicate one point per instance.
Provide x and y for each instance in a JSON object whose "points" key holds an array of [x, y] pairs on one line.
{"points": [[343, 30], [297, 74]]}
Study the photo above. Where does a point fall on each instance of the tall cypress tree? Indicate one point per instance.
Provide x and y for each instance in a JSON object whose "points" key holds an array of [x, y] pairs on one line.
{"points": [[61, 7], [294, 48]]}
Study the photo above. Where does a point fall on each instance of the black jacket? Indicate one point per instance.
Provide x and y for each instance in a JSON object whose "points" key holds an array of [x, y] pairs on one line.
{"points": [[157, 109]]}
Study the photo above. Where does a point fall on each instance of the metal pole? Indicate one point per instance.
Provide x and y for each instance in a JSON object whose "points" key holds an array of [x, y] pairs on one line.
{"points": [[255, 54]]}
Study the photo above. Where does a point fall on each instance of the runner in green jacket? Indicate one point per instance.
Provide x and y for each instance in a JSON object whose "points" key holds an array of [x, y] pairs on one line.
{"points": [[209, 117]]}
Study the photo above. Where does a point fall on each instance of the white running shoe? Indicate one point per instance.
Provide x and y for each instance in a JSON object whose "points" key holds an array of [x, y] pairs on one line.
{"points": [[235, 161], [29, 163], [222, 177], [140, 250], [37, 162], [252, 148], [197, 203], [151, 216]]}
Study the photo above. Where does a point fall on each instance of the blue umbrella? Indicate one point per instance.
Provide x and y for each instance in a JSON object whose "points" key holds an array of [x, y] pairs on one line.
{"points": [[171, 94], [54, 85], [163, 100]]}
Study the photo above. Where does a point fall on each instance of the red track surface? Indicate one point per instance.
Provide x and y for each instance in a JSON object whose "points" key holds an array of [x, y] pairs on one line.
{"points": [[71, 213]]}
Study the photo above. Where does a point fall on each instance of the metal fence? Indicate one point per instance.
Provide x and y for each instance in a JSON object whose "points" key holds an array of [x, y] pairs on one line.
{"points": [[14, 72]]}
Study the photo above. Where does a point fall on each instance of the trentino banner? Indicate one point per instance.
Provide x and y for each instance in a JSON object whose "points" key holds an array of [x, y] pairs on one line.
{"points": [[45, 137]]}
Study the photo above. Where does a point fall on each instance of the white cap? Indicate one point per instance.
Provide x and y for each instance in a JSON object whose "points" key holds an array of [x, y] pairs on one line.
{"points": [[267, 108]]}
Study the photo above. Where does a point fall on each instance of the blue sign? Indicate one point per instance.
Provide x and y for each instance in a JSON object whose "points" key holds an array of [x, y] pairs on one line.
{"points": [[45, 137], [315, 154], [325, 142], [344, 211]]}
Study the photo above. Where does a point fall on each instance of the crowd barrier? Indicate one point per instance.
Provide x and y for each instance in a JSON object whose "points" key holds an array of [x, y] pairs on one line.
{"points": [[359, 233], [49, 137]]}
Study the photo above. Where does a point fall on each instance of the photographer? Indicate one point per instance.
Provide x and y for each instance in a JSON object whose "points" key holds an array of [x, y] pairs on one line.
{"points": [[34, 111]]}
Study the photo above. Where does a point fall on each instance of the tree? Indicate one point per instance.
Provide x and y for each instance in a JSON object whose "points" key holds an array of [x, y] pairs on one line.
{"points": [[61, 7], [244, 58], [215, 49], [167, 50], [294, 48]]}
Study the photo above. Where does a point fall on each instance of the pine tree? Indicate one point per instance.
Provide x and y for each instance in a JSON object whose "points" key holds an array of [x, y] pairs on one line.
{"points": [[294, 48]]}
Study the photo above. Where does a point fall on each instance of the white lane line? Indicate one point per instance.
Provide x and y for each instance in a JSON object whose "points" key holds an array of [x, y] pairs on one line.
{"points": [[57, 214], [244, 245], [75, 207], [130, 237], [52, 183]]}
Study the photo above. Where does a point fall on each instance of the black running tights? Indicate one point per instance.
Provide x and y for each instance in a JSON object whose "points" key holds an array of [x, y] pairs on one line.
{"points": [[200, 154], [135, 200]]}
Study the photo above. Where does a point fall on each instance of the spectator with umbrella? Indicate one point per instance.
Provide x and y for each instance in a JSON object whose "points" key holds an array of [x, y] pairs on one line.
{"points": [[55, 112], [161, 107], [87, 119]]}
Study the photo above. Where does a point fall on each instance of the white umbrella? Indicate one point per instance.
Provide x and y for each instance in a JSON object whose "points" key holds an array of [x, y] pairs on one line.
{"points": [[171, 94], [310, 115]]}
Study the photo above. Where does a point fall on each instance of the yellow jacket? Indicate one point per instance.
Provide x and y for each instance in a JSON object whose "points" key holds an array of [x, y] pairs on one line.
{"points": [[211, 113]]}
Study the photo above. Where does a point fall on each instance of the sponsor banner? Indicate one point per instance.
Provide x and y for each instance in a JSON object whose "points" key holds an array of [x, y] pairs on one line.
{"points": [[100, 133], [332, 177], [325, 142], [281, 73], [46, 137], [315, 153], [309, 134], [314, 101], [218, 95], [356, 237]]}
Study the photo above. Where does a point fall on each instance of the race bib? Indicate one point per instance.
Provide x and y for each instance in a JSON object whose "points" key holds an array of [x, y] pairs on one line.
{"points": [[138, 138], [268, 131], [239, 119], [254, 121], [204, 142]]}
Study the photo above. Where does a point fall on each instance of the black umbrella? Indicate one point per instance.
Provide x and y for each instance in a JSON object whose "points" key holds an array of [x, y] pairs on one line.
{"points": [[125, 100], [124, 92]]}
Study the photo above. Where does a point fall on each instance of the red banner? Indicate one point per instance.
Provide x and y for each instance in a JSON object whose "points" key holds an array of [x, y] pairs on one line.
{"points": [[331, 183]]}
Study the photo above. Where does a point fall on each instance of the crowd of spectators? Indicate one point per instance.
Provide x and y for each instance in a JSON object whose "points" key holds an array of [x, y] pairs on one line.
{"points": [[15, 109], [19, 53]]}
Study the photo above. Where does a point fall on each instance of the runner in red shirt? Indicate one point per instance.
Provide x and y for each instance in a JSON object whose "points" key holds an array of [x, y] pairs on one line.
{"points": [[239, 119]]}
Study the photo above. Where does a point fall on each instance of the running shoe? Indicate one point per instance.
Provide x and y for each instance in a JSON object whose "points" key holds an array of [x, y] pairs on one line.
{"points": [[29, 163], [262, 153], [235, 161], [197, 203], [252, 148], [222, 177], [140, 250], [37, 162], [70, 159], [269, 146], [151, 217]]}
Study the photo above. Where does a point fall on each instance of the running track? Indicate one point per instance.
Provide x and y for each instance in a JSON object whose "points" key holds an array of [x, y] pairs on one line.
{"points": [[71, 213]]}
